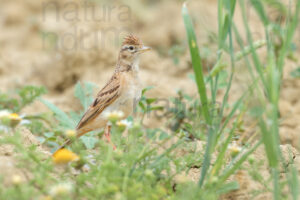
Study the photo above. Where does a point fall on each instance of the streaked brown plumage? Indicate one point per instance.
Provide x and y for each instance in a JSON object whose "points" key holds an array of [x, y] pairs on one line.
{"points": [[104, 98], [119, 93], [132, 40]]}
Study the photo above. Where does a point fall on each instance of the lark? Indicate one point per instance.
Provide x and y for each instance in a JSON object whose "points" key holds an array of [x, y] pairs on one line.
{"points": [[119, 94]]}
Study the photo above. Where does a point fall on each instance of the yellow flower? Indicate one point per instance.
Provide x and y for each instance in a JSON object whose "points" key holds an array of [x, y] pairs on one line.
{"points": [[14, 116], [15, 119], [64, 156], [9, 119], [114, 115]]}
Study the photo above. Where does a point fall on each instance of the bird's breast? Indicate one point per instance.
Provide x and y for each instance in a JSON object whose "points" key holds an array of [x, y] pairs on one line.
{"points": [[129, 97]]}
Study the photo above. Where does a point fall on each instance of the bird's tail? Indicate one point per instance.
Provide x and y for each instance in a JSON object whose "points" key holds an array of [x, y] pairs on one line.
{"points": [[67, 142], [79, 133]]}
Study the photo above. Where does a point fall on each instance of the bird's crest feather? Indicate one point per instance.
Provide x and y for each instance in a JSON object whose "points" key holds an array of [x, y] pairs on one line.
{"points": [[132, 40]]}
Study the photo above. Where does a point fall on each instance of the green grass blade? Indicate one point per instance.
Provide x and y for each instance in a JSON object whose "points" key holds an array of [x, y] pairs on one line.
{"points": [[228, 187], [235, 165], [196, 62], [270, 147], [293, 181], [247, 50], [276, 190], [255, 58], [207, 156], [291, 27], [221, 155], [258, 6]]}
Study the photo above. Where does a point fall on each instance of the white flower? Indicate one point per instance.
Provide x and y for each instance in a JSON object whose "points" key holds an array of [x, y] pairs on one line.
{"points": [[124, 123], [16, 179], [114, 115], [61, 189], [4, 113], [10, 119], [234, 149]]}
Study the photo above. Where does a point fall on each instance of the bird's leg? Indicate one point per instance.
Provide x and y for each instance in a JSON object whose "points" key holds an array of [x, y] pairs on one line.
{"points": [[107, 135]]}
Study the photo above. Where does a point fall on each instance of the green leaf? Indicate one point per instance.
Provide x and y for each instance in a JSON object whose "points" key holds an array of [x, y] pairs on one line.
{"points": [[258, 6], [61, 116], [84, 94], [147, 89], [7, 103], [79, 93], [89, 141], [256, 111], [163, 135], [41, 139], [223, 75], [49, 134], [75, 116], [142, 106], [29, 93], [150, 100], [228, 187], [296, 73], [156, 108]]}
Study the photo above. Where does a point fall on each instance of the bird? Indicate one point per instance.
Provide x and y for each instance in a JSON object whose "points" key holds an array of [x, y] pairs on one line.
{"points": [[119, 94]]}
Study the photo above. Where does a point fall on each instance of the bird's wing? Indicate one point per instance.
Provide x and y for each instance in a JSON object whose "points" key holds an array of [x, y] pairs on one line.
{"points": [[107, 95]]}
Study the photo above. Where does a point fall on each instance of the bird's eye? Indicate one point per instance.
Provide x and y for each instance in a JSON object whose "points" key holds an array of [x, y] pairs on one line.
{"points": [[131, 48]]}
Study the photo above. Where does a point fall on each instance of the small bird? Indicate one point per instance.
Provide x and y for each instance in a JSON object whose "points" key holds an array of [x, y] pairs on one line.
{"points": [[119, 94]]}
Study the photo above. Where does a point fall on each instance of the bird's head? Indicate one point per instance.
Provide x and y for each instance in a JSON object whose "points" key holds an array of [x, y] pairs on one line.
{"points": [[131, 48]]}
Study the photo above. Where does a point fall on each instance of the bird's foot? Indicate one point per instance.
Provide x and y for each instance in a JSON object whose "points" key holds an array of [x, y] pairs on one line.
{"points": [[107, 136]]}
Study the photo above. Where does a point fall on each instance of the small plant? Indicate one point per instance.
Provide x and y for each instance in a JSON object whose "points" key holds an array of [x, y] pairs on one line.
{"points": [[24, 97], [268, 77], [67, 121], [296, 73]]}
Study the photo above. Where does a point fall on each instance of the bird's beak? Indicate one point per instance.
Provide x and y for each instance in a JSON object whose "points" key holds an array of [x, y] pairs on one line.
{"points": [[144, 49]]}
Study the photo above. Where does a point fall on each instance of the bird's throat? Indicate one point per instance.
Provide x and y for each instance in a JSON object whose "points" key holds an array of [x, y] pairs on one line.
{"points": [[127, 66]]}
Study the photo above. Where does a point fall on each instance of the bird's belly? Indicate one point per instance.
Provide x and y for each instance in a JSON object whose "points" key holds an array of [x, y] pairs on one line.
{"points": [[125, 103]]}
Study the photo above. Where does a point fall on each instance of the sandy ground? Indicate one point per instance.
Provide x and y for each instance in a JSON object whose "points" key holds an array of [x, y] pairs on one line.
{"points": [[57, 43]]}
